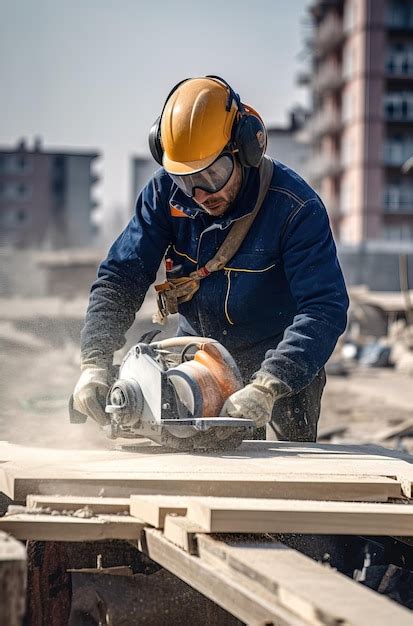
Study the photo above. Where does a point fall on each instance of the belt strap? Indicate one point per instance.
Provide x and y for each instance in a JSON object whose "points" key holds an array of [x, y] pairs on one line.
{"points": [[174, 291]]}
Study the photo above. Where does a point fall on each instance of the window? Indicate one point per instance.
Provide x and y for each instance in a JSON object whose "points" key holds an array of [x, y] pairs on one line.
{"points": [[14, 219], [398, 106], [399, 14]]}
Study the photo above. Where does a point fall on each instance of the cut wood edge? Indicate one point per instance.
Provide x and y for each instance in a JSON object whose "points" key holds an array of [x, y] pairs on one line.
{"points": [[42, 527], [154, 509], [97, 505], [181, 532]]}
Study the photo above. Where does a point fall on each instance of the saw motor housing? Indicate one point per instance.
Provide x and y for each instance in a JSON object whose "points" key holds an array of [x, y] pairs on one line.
{"points": [[179, 384]]}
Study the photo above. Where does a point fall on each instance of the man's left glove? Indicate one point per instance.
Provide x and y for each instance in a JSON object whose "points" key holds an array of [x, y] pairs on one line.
{"points": [[256, 400]]}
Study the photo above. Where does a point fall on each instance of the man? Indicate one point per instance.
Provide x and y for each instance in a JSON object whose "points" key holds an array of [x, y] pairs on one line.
{"points": [[278, 301]]}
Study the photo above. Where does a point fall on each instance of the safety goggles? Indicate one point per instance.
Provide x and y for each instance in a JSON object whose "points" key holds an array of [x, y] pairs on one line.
{"points": [[211, 179]]}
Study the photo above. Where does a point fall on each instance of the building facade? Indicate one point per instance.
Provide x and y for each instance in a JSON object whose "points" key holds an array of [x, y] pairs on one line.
{"points": [[142, 168], [361, 128], [289, 144], [46, 197]]}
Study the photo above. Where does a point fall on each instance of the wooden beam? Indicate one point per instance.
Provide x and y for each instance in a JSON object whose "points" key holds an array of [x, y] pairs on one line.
{"points": [[220, 515], [154, 509], [245, 599], [68, 503], [12, 581], [67, 528], [181, 532], [316, 593]]}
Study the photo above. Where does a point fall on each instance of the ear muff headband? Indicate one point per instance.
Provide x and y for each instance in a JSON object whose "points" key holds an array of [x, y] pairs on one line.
{"points": [[249, 136]]}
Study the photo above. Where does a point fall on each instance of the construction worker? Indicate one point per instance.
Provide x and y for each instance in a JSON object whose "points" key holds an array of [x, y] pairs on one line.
{"points": [[251, 259]]}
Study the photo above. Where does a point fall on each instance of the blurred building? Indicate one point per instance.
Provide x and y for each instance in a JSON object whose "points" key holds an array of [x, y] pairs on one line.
{"points": [[290, 144], [361, 128], [142, 168], [46, 197]]}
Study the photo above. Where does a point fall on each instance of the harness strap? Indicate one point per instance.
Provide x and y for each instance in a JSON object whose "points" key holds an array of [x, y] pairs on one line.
{"points": [[175, 291]]}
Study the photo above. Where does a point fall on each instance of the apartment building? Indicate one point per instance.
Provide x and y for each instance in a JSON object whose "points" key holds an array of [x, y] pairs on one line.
{"points": [[46, 197], [361, 128]]}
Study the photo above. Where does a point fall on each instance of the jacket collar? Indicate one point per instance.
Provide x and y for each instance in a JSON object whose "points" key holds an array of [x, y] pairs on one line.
{"points": [[243, 205]]}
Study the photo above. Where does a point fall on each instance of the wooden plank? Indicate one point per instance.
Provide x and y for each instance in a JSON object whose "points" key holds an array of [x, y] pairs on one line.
{"points": [[181, 532], [245, 599], [220, 515], [258, 469], [18, 484], [67, 528], [154, 509], [399, 430], [12, 581], [316, 593], [67, 503]]}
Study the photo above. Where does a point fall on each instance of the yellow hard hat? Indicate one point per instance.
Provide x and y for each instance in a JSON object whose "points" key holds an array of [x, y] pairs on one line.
{"points": [[196, 125]]}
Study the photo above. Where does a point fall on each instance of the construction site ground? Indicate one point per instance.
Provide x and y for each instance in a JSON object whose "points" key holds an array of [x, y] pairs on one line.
{"points": [[40, 366]]}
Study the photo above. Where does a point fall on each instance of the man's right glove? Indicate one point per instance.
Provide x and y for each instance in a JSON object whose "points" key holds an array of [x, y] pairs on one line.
{"points": [[89, 395]]}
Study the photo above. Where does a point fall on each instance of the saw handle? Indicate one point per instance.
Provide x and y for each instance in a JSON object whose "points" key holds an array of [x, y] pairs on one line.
{"points": [[75, 417], [181, 342]]}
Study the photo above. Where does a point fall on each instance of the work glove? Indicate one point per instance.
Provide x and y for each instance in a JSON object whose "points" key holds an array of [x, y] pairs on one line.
{"points": [[256, 400], [89, 395]]}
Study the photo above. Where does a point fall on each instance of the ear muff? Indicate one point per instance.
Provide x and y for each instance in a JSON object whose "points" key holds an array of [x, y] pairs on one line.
{"points": [[155, 144], [250, 138]]}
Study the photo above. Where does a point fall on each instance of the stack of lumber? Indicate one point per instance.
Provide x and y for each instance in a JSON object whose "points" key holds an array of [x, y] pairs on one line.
{"points": [[211, 519]]}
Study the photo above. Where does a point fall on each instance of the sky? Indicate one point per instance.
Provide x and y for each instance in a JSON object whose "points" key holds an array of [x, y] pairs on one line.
{"points": [[94, 74]]}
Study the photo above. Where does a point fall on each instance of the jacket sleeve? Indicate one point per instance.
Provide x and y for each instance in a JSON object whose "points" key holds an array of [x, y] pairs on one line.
{"points": [[125, 276], [317, 284]]}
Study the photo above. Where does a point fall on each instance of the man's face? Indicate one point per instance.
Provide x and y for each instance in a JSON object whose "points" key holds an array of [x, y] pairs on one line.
{"points": [[218, 203]]}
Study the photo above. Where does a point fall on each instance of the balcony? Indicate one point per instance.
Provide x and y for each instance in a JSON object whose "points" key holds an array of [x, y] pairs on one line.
{"points": [[322, 166], [329, 36], [328, 79], [324, 123]]}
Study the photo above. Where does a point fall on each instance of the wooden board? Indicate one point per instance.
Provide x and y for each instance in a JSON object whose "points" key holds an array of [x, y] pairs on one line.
{"points": [[154, 509], [67, 503], [249, 602], [181, 532], [259, 468], [220, 515], [66, 528], [316, 593]]}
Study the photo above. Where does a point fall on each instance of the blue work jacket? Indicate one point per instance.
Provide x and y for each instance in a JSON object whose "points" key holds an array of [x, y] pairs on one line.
{"points": [[280, 303]]}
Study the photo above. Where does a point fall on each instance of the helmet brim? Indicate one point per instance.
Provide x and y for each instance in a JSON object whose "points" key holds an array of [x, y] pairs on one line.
{"points": [[190, 167]]}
